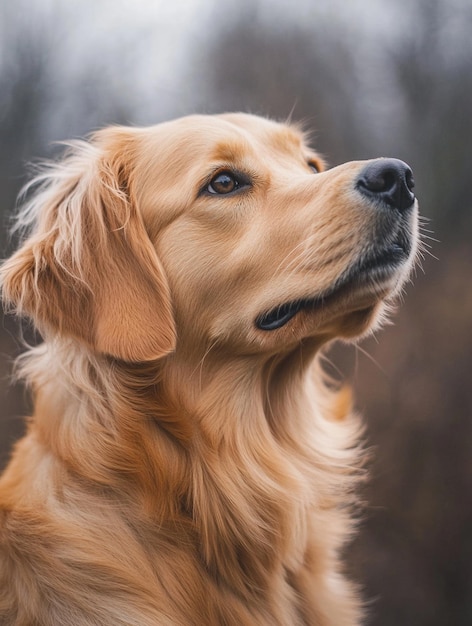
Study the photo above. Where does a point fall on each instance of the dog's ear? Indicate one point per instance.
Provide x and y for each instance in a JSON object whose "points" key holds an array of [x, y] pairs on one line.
{"points": [[88, 269]]}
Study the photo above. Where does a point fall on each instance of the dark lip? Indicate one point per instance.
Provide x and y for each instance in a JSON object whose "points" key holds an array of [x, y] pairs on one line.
{"points": [[372, 268]]}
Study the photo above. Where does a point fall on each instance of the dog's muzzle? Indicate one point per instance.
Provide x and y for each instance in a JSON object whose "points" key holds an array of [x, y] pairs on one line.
{"points": [[389, 184]]}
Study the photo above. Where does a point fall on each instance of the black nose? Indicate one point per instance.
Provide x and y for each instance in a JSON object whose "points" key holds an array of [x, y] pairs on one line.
{"points": [[388, 180]]}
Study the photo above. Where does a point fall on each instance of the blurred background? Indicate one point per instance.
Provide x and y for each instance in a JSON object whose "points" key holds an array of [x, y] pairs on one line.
{"points": [[372, 78]]}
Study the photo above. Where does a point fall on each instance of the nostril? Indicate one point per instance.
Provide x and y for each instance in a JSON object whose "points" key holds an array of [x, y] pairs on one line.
{"points": [[380, 180], [410, 181], [388, 180]]}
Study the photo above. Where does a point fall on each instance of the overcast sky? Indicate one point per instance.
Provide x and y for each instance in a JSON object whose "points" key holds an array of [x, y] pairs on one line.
{"points": [[157, 44], [149, 55]]}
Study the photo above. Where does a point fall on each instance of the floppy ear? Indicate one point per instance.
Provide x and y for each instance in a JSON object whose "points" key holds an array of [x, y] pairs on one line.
{"points": [[88, 269]]}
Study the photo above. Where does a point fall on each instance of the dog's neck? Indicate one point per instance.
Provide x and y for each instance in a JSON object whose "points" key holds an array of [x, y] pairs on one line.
{"points": [[245, 436]]}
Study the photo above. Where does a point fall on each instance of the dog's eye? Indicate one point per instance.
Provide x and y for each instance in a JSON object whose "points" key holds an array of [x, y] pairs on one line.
{"points": [[314, 167], [224, 183]]}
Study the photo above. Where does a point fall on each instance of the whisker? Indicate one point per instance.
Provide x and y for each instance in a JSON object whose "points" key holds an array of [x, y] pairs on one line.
{"points": [[332, 364], [430, 238], [371, 358], [302, 244]]}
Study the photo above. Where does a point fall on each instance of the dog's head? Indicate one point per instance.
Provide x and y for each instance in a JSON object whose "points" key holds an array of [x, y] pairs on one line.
{"points": [[211, 230]]}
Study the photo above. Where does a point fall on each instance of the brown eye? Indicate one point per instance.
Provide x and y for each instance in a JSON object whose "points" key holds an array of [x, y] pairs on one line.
{"points": [[223, 183], [314, 167]]}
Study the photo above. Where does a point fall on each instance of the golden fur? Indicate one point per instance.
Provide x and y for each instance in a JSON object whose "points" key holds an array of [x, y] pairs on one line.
{"points": [[182, 465]]}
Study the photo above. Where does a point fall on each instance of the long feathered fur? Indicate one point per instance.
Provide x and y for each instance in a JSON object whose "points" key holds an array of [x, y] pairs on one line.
{"points": [[160, 482]]}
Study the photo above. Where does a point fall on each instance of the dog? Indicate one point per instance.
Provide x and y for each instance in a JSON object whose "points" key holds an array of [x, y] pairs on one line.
{"points": [[188, 462]]}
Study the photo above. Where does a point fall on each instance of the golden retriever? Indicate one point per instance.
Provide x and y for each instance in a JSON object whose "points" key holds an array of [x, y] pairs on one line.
{"points": [[187, 462]]}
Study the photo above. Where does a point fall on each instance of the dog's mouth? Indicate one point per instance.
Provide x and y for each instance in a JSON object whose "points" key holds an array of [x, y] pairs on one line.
{"points": [[371, 271]]}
